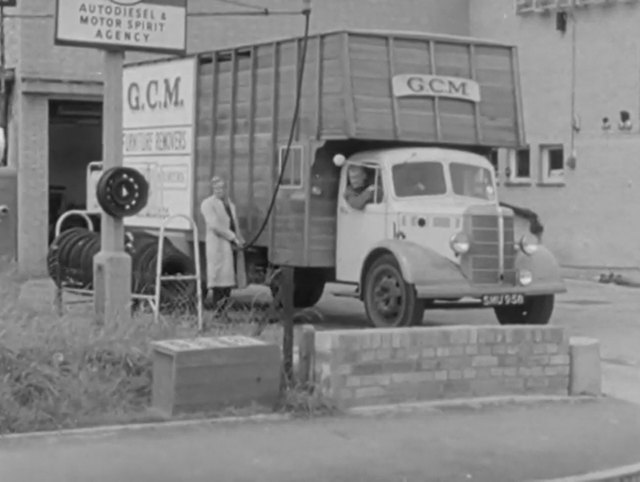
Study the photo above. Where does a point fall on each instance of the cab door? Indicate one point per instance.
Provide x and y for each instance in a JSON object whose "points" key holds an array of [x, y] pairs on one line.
{"points": [[8, 211], [359, 230]]}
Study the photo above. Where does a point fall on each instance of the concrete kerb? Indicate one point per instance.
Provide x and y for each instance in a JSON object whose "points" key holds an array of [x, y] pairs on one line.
{"points": [[627, 473], [368, 411]]}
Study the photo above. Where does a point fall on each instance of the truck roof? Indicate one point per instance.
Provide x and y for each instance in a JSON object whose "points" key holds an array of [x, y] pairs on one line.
{"points": [[400, 34], [395, 155]]}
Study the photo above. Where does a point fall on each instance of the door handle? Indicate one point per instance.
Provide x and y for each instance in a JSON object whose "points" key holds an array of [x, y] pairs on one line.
{"points": [[4, 209]]}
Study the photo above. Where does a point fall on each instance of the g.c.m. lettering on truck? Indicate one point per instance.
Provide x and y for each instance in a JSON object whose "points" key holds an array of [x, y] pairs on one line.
{"points": [[436, 86]]}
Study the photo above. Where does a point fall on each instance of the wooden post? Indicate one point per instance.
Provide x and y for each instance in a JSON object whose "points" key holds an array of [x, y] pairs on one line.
{"points": [[287, 324], [112, 265]]}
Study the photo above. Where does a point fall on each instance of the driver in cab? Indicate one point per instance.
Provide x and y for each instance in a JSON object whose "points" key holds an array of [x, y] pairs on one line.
{"points": [[361, 189]]}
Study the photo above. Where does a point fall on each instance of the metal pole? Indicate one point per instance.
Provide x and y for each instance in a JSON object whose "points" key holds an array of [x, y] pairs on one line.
{"points": [[287, 324], [112, 265]]}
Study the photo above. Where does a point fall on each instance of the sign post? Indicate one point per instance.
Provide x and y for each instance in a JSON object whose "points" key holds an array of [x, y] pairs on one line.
{"points": [[116, 26], [112, 265]]}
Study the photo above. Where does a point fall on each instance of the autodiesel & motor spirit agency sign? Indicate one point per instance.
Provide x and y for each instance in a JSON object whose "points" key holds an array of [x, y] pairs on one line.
{"points": [[148, 25], [158, 137]]}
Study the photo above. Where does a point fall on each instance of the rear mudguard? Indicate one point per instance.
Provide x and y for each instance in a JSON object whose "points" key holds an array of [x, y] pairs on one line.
{"points": [[433, 275]]}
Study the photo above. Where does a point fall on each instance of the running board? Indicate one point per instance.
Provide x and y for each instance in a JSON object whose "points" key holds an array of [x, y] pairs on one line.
{"points": [[346, 294]]}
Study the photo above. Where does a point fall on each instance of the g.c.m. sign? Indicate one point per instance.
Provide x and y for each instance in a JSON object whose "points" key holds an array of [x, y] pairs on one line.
{"points": [[419, 85]]}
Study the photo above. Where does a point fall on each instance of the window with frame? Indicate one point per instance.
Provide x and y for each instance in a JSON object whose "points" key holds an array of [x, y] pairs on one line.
{"points": [[519, 165], [293, 175], [552, 164]]}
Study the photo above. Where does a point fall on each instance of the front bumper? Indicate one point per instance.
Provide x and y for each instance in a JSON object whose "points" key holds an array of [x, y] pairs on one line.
{"points": [[464, 289]]}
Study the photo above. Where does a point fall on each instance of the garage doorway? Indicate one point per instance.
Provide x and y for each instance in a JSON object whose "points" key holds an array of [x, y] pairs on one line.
{"points": [[75, 140]]}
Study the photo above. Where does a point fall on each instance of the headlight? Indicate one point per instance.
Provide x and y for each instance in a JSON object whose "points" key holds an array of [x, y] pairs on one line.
{"points": [[525, 277], [460, 243], [528, 245]]}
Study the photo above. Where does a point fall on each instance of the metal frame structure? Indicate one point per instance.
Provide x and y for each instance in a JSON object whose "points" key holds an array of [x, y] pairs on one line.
{"points": [[153, 300]]}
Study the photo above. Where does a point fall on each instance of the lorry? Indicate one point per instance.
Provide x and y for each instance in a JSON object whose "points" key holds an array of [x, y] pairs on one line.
{"points": [[423, 114]]}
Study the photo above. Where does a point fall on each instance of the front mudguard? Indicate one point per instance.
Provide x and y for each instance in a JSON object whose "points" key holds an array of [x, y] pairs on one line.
{"points": [[543, 266], [419, 265]]}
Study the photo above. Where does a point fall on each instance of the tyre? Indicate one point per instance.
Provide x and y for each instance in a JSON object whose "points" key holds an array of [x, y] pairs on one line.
{"points": [[388, 299], [536, 310], [308, 287]]}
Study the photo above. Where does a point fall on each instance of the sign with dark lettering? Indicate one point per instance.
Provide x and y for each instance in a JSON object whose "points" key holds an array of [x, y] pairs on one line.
{"points": [[158, 121], [419, 85], [147, 25]]}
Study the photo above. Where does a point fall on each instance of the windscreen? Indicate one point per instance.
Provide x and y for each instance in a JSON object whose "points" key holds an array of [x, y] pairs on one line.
{"points": [[472, 181], [423, 178]]}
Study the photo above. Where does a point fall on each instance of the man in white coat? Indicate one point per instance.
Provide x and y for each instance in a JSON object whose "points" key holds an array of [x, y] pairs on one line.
{"points": [[222, 236]]}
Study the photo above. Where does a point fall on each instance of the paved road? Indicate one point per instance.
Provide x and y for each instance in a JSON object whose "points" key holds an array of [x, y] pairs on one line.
{"points": [[513, 443], [609, 313]]}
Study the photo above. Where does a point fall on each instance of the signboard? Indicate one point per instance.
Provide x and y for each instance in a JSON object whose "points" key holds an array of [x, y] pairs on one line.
{"points": [[419, 85], [147, 25], [197, 344], [158, 139]]}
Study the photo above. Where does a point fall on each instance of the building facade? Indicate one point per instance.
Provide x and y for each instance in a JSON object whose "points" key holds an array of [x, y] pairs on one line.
{"points": [[580, 69], [579, 172]]}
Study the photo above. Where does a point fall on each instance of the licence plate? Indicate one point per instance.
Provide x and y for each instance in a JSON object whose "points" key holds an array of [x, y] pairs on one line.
{"points": [[503, 300]]}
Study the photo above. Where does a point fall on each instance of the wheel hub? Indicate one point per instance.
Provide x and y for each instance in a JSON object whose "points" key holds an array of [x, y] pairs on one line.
{"points": [[388, 295]]}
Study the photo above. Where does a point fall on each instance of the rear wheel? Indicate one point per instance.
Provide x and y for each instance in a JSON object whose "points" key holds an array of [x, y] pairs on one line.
{"points": [[388, 299], [308, 286], [536, 310]]}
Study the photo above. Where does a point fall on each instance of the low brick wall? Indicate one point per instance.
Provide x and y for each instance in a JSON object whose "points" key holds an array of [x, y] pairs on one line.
{"points": [[369, 367]]}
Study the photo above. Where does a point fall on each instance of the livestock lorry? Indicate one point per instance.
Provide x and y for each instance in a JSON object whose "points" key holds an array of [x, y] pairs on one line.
{"points": [[423, 114]]}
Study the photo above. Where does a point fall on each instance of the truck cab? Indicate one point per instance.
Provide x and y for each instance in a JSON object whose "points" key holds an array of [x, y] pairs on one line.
{"points": [[434, 231]]}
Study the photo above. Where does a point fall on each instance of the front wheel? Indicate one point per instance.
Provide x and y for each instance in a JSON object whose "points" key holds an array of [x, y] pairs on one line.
{"points": [[536, 310], [388, 299]]}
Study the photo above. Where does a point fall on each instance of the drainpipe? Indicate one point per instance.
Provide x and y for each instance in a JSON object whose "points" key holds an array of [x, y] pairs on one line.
{"points": [[4, 107], [575, 126]]}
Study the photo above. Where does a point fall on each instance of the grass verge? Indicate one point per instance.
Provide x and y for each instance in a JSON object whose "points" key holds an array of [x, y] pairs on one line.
{"points": [[67, 372]]}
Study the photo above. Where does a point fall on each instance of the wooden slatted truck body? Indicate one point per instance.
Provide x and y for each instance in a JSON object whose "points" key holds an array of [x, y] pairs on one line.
{"points": [[423, 113]]}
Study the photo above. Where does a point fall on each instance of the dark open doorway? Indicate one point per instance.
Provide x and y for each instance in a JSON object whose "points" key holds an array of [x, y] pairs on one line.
{"points": [[75, 140]]}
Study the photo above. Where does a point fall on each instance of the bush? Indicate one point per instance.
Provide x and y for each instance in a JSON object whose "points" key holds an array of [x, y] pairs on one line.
{"points": [[67, 372]]}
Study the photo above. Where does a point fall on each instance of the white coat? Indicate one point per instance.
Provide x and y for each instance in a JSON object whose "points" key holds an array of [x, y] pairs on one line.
{"points": [[218, 243]]}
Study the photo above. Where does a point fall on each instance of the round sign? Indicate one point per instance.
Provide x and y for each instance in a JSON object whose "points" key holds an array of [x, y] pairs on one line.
{"points": [[122, 192]]}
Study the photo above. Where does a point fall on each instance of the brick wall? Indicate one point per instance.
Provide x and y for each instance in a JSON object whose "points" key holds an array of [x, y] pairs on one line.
{"points": [[603, 189], [368, 367]]}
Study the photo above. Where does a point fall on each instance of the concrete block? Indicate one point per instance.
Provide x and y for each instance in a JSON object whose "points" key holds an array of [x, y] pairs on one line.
{"points": [[459, 336], [471, 350], [456, 350], [468, 373], [499, 349], [586, 374], [206, 374], [559, 360], [428, 352], [484, 361]]}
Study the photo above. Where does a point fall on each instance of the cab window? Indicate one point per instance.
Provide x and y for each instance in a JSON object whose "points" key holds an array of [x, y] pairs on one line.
{"points": [[424, 178], [472, 181]]}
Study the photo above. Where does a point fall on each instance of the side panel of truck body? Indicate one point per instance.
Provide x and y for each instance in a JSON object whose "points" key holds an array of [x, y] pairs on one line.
{"points": [[246, 100]]}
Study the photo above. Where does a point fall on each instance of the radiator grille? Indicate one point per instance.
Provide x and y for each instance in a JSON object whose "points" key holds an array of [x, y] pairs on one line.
{"points": [[483, 264]]}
